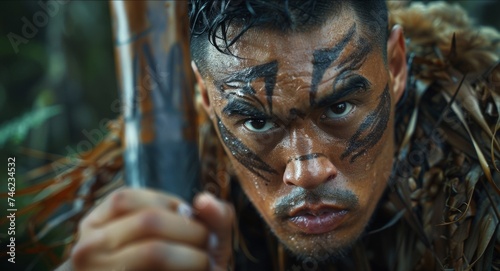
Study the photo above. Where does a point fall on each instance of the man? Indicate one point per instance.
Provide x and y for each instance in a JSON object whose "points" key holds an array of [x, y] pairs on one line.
{"points": [[303, 97]]}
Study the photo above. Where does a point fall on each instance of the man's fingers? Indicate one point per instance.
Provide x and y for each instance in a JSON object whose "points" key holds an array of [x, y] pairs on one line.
{"points": [[153, 223], [128, 200], [146, 255], [155, 255], [131, 221]]}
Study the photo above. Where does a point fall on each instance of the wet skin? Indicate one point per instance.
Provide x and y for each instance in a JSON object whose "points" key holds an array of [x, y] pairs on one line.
{"points": [[307, 121]]}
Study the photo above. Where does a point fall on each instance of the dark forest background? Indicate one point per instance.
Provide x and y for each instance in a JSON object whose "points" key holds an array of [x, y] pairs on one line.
{"points": [[58, 85]]}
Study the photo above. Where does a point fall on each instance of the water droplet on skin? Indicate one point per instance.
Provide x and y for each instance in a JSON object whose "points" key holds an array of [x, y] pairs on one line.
{"points": [[257, 188]]}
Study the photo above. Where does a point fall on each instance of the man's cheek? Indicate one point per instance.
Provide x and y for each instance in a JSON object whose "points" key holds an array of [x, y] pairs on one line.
{"points": [[244, 155]]}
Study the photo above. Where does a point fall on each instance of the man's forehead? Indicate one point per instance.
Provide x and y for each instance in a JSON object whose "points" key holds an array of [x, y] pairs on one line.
{"points": [[294, 52]]}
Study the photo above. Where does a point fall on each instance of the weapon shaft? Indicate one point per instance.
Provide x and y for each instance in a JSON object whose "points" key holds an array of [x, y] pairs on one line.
{"points": [[156, 81]]}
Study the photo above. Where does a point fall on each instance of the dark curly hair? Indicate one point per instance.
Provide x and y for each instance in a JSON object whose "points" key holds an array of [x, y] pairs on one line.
{"points": [[210, 19]]}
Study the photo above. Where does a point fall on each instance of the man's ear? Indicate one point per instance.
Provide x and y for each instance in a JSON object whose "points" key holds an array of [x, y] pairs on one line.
{"points": [[396, 57], [205, 102]]}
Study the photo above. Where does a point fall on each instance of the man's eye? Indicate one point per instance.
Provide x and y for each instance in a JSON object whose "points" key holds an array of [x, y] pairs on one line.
{"points": [[338, 110], [259, 125]]}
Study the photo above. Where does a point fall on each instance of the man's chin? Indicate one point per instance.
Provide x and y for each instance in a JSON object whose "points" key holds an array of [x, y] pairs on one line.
{"points": [[318, 249]]}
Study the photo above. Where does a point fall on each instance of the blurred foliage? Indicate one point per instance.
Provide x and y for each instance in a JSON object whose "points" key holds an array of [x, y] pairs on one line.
{"points": [[16, 130], [68, 62], [58, 83], [61, 80]]}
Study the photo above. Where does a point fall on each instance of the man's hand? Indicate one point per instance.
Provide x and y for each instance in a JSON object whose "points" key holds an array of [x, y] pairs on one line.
{"points": [[135, 229]]}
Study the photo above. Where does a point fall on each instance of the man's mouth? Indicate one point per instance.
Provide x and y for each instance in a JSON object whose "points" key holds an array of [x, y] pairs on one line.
{"points": [[317, 219]]}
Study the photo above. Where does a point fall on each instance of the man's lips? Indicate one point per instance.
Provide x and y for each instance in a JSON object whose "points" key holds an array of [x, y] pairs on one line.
{"points": [[317, 219]]}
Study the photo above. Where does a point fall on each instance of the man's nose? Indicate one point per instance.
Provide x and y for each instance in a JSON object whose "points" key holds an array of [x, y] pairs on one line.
{"points": [[309, 171]]}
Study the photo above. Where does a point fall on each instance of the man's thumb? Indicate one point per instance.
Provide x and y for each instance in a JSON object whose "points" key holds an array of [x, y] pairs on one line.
{"points": [[218, 216]]}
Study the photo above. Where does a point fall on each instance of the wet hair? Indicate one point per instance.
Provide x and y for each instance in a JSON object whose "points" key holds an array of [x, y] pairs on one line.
{"points": [[211, 19]]}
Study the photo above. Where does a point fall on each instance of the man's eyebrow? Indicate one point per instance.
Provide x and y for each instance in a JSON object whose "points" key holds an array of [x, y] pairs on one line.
{"points": [[323, 58], [241, 107], [354, 83]]}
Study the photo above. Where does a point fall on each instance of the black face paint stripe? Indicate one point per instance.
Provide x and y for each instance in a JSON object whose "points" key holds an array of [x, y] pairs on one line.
{"points": [[245, 77], [357, 57], [270, 83], [323, 58], [243, 154], [347, 79], [371, 129], [306, 157]]}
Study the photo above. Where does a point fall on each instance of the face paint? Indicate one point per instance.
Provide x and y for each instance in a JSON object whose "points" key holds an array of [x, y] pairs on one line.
{"points": [[303, 101], [243, 80], [307, 157], [371, 129], [356, 59], [243, 154], [324, 58], [352, 63], [242, 103]]}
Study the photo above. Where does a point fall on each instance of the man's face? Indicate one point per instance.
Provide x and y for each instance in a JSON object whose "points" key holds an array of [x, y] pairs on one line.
{"points": [[307, 122]]}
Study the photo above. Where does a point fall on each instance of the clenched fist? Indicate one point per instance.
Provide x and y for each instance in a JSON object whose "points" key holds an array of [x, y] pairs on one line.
{"points": [[138, 229]]}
